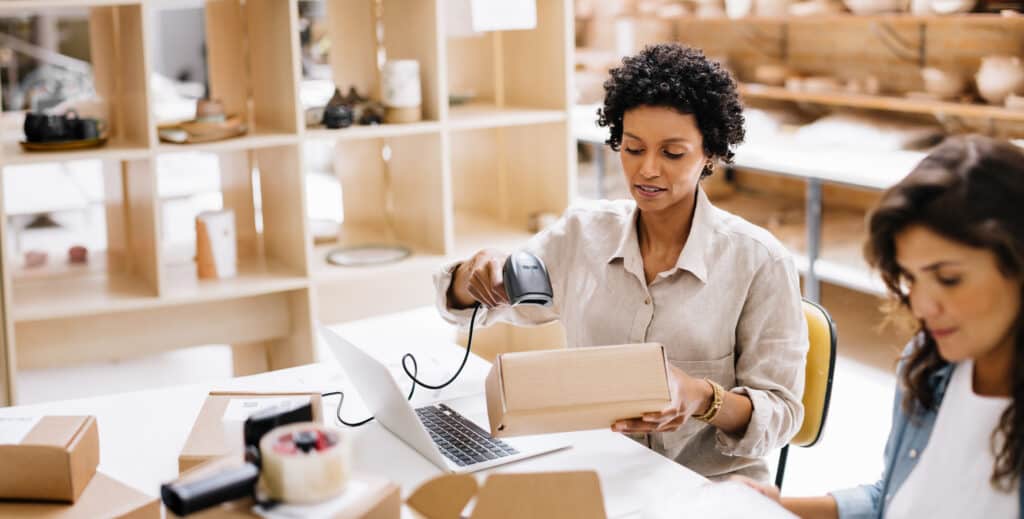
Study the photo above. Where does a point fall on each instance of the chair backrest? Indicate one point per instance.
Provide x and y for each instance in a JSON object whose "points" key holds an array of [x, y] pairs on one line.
{"points": [[821, 363]]}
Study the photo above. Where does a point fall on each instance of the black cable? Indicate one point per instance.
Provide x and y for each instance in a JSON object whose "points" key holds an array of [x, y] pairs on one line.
{"points": [[412, 375]]}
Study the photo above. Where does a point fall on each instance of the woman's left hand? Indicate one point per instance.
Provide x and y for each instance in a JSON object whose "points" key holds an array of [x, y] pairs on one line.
{"points": [[690, 396]]}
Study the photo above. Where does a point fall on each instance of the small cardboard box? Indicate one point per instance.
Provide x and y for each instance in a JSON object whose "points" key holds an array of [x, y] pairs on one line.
{"points": [[103, 497], [49, 458], [364, 497], [566, 495], [575, 389], [217, 431]]}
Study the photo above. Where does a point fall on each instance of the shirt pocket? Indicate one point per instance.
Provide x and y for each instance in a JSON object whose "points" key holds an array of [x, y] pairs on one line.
{"points": [[721, 370]]}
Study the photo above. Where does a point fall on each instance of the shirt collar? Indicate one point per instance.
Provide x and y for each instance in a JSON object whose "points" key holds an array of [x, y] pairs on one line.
{"points": [[693, 256]]}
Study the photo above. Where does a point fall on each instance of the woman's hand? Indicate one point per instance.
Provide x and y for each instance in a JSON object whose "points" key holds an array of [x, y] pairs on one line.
{"points": [[690, 396], [479, 279], [769, 491]]}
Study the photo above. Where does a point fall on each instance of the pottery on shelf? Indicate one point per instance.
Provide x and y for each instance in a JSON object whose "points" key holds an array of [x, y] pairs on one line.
{"points": [[874, 6], [951, 6], [771, 74], [998, 77], [943, 83]]}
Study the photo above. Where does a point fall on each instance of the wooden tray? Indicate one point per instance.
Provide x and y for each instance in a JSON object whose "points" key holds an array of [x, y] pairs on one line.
{"points": [[196, 132], [63, 145]]}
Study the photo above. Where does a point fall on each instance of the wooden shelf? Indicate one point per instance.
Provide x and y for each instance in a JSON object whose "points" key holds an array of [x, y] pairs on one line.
{"points": [[889, 18], [254, 278], [474, 231], [374, 131], [888, 103], [14, 155], [474, 116], [88, 294], [23, 5], [245, 142]]}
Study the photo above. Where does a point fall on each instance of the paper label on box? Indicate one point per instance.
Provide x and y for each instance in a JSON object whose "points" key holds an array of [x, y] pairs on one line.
{"points": [[239, 409], [13, 429], [354, 491]]}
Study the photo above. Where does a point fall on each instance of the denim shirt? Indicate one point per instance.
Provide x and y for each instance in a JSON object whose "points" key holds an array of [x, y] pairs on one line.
{"points": [[907, 440]]}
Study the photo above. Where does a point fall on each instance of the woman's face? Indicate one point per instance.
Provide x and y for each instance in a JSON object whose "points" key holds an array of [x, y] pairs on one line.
{"points": [[662, 155], [966, 303]]}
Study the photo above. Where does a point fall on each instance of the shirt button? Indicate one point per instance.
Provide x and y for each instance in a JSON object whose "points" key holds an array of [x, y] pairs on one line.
{"points": [[912, 453], [647, 301]]}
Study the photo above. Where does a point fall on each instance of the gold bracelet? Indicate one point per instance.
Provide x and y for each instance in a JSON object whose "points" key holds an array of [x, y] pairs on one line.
{"points": [[718, 394]]}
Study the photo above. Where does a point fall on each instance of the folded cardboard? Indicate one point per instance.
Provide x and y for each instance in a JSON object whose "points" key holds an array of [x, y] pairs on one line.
{"points": [[217, 431], [104, 497], [566, 495], [575, 389], [48, 458], [364, 497]]}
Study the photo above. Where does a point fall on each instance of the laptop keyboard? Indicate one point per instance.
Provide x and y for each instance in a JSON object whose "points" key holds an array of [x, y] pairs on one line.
{"points": [[461, 440]]}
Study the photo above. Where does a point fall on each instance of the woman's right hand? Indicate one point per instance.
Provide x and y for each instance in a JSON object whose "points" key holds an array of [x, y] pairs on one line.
{"points": [[479, 279]]}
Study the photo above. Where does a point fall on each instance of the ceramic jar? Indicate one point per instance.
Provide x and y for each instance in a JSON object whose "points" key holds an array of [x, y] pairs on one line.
{"points": [[998, 77]]}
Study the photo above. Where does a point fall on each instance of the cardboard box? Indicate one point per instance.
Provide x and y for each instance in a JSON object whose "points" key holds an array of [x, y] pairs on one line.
{"points": [[365, 497], [217, 431], [575, 389], [104, 497], [49, 458], [566, 495]]}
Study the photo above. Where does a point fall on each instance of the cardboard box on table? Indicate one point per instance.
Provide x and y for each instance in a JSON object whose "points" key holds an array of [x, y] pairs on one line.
{"points": [[48, 458], [566, 495], [103, 497], [217, 431], [575, 389]]}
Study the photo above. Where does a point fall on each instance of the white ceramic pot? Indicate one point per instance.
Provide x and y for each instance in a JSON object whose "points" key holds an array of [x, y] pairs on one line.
{"points": [[951, 6], [875, 6], [401, 81], [998, 77], [945, 84]]}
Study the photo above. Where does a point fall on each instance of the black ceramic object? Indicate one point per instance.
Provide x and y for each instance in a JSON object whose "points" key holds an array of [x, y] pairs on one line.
{"points": [[339, 116]]}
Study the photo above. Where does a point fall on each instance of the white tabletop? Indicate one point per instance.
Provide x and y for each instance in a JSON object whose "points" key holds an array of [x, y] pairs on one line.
{"points": [[142, 433]]}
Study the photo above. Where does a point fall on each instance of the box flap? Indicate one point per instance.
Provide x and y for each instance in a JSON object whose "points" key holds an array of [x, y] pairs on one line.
{"points": [[566, 495], [56, 431], [443, 497], [495, 399], [103, 497], [581, 376]]}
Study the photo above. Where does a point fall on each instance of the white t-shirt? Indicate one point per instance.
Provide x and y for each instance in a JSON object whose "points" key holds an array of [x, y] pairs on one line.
{"points": [[952, 479]]}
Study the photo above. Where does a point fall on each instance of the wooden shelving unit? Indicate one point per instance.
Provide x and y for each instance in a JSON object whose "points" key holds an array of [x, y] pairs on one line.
{"points": [[500, 159], [887, 103]]}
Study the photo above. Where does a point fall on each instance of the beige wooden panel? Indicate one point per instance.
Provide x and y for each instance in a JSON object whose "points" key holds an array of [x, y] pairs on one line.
{"points": [[411, 32], [476, 167], [299, 346], [103, 55], [541, 170], [237, 190], [390, 288], [286, 237], [66, 342], [119, 258], [227, 55], [132, 99], [360, 169], [537, 64], [8, 358], [143, 209], [470, 63], [274, 65], [417, 188], [249, 358], [353, 56]]}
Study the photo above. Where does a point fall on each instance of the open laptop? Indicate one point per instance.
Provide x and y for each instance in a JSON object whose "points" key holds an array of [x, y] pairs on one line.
{"points": [[446, 438]]}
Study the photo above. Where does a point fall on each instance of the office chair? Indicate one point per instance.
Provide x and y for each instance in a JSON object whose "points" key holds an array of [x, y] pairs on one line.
{"points": [[821, 363]]}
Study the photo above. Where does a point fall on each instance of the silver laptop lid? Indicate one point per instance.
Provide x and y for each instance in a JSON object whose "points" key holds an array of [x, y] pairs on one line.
{"points": [[383, 397]]}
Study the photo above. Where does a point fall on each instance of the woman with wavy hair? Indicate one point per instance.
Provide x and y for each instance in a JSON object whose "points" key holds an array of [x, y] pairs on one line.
{"points": [[949, 243]]}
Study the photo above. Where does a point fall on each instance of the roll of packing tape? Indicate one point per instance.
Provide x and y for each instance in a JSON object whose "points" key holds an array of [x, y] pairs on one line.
{"points": [[304, 463]]}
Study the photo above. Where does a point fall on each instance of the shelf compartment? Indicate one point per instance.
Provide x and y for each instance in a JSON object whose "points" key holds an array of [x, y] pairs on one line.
{"points": [[381, 131], [887, 103], [12, 154], [517, 69], [244, 142], [506, 175], [410, 31]]}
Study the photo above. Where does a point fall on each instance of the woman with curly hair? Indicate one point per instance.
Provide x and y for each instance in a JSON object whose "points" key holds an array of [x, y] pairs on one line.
{"points": [[721, 294], [949, 243]]}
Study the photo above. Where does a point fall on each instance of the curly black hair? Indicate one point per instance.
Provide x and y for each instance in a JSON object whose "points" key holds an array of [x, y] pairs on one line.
{"points": [[682, 78]]}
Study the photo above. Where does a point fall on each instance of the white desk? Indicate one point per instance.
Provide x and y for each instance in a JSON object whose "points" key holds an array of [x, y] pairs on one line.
{"points": [[141, 434]]}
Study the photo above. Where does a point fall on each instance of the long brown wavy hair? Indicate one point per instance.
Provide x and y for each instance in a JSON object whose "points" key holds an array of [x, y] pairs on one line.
{"points": [[970, 189]]}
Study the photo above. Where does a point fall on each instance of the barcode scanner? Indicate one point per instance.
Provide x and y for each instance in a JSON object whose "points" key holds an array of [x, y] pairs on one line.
{"points": [[526, 283], [526, 280]]}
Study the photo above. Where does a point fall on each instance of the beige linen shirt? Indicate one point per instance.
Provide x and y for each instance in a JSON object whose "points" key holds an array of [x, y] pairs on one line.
{"points": [[729, 310]]}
